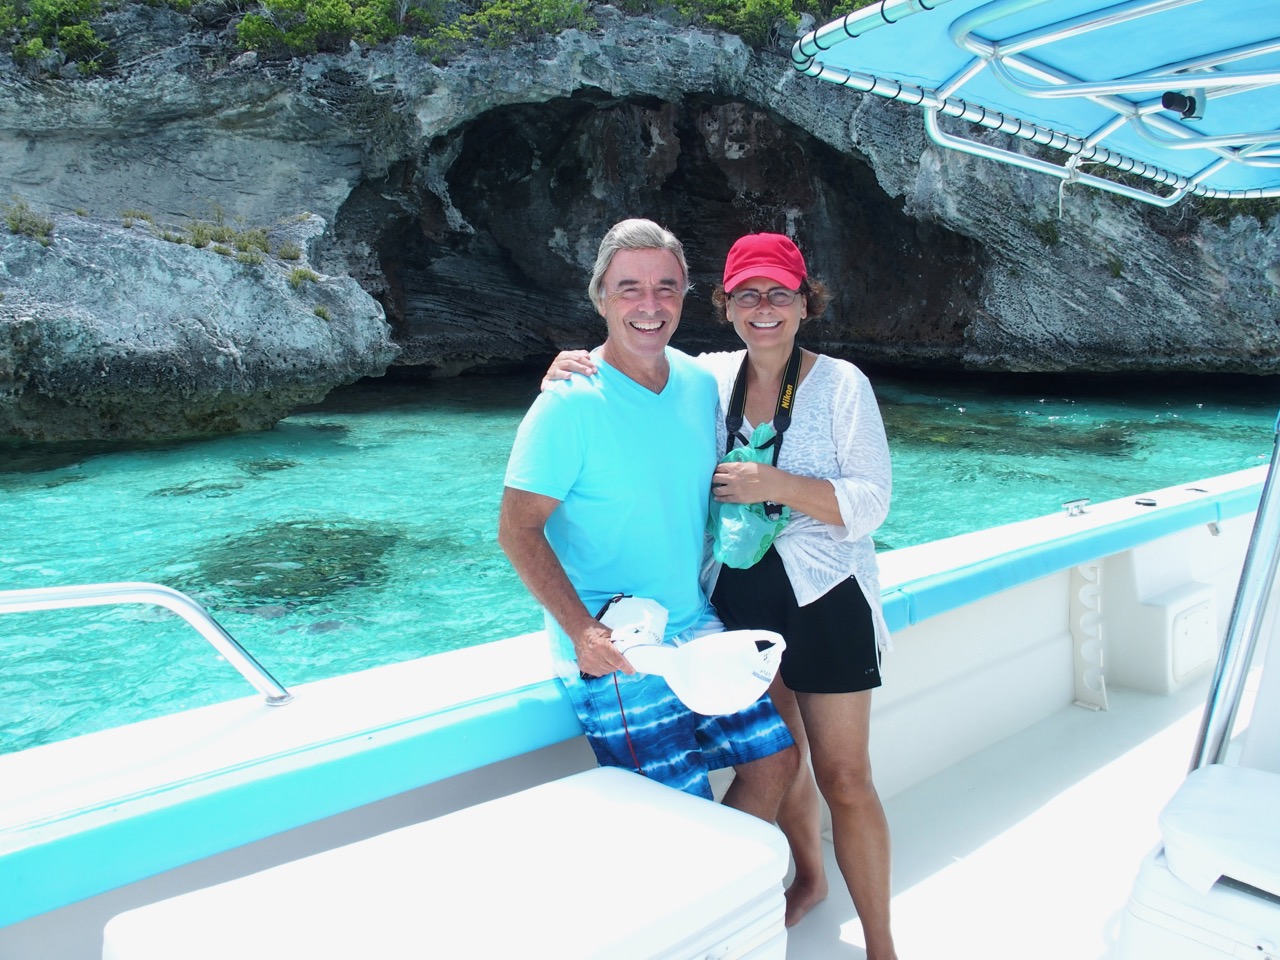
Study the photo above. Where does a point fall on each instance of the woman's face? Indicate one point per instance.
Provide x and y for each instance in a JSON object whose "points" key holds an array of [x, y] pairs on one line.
{"points": [[771, 321]]}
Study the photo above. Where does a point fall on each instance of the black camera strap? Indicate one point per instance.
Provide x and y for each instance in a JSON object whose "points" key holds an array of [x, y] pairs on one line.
{"points": [[781, 414]]}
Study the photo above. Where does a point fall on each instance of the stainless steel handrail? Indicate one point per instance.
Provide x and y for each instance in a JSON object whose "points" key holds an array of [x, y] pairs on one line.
{"points": [[110, 594], [1247, 614]]}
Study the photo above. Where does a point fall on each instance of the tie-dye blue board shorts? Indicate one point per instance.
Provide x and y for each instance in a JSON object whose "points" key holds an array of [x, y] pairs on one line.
{"points": [[640, 724]]}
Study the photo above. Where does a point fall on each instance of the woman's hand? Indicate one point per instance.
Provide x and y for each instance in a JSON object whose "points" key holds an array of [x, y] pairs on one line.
{"points": [[748, 482], [567, 363]]}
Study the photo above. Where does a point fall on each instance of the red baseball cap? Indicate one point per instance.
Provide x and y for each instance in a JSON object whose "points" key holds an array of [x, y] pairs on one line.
{"points": [[764, 255]]}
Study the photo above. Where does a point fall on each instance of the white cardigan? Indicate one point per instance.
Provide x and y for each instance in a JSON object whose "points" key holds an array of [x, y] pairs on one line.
{"points": [[836, 434]]}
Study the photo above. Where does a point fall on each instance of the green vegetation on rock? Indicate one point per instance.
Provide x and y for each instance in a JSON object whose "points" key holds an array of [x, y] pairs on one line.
{"points": [[21, 219], [300, 275], [52, 32], [52, 36]]}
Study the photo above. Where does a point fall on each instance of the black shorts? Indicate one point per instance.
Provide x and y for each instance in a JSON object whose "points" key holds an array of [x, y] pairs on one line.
{"points": [[831, 643]]}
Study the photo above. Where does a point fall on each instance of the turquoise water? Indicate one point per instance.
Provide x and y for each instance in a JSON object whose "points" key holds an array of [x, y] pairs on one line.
{"points": [[363, 532], [981, 452]]}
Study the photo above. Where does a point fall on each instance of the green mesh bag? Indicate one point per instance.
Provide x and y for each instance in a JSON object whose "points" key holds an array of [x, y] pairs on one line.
{"points": [[741, 532]]}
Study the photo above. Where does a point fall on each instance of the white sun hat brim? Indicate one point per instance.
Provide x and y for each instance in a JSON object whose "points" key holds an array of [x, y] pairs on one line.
{"points": [[717, 673], [714, 674]]}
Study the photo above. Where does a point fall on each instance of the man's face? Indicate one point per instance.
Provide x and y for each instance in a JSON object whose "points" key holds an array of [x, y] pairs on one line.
{"points": [[643, 293]]}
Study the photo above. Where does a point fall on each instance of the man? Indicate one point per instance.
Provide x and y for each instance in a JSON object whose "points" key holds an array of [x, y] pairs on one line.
{"points": [[606, 494]]}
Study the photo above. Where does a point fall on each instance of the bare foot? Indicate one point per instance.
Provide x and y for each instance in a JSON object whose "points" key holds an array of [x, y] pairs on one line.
{"points": [[803, 896]]}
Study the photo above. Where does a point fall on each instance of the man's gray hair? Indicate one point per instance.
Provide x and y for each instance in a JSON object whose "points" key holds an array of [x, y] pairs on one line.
{"points": [[635, 234]]}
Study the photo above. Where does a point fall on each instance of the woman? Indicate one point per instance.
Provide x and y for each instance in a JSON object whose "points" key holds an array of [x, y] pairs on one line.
{"points": [[817, 584]]}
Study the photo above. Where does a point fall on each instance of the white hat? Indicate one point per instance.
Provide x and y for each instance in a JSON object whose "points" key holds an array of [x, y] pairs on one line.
{"points": [[714, 674], [635, 620]]}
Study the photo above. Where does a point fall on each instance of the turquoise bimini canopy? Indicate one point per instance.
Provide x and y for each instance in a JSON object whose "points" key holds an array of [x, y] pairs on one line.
{"points": [[1175, 97]]}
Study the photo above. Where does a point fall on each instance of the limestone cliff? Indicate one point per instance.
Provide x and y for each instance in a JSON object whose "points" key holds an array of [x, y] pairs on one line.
{"points": [[468, 199], [112, 333]]}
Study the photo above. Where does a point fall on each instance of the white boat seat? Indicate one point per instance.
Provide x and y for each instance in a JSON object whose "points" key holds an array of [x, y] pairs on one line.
{"points": [[601, 865], [1224, 821]]}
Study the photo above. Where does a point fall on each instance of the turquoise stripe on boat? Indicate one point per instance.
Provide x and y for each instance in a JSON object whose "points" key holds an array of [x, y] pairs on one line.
{"points": [[181, 823], [918, 600]]}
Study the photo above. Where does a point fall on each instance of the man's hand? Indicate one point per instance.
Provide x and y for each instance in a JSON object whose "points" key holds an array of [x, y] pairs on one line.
{"points": [[566, 363], [597, 656]]}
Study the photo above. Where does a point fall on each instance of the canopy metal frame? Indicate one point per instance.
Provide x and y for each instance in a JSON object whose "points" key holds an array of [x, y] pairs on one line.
{"points": [[1134, 102]]}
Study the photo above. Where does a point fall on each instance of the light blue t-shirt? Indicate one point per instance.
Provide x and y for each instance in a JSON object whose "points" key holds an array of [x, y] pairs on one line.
{"points": [[632, 470]]}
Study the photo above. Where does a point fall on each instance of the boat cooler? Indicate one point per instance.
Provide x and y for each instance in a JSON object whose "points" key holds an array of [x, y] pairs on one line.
{"points": [[602, 864], [1212, 890]]}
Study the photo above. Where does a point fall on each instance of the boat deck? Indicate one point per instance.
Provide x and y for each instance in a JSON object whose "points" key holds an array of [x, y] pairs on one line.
{"points": [[1074, 799]]}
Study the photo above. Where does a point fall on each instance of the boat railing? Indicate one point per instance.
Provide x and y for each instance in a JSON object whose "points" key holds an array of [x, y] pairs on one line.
{"points": [[112, 594], [1253, 598]]}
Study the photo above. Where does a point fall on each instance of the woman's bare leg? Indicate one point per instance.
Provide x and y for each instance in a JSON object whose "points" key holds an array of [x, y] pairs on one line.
{"points": [[837, 727]]}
